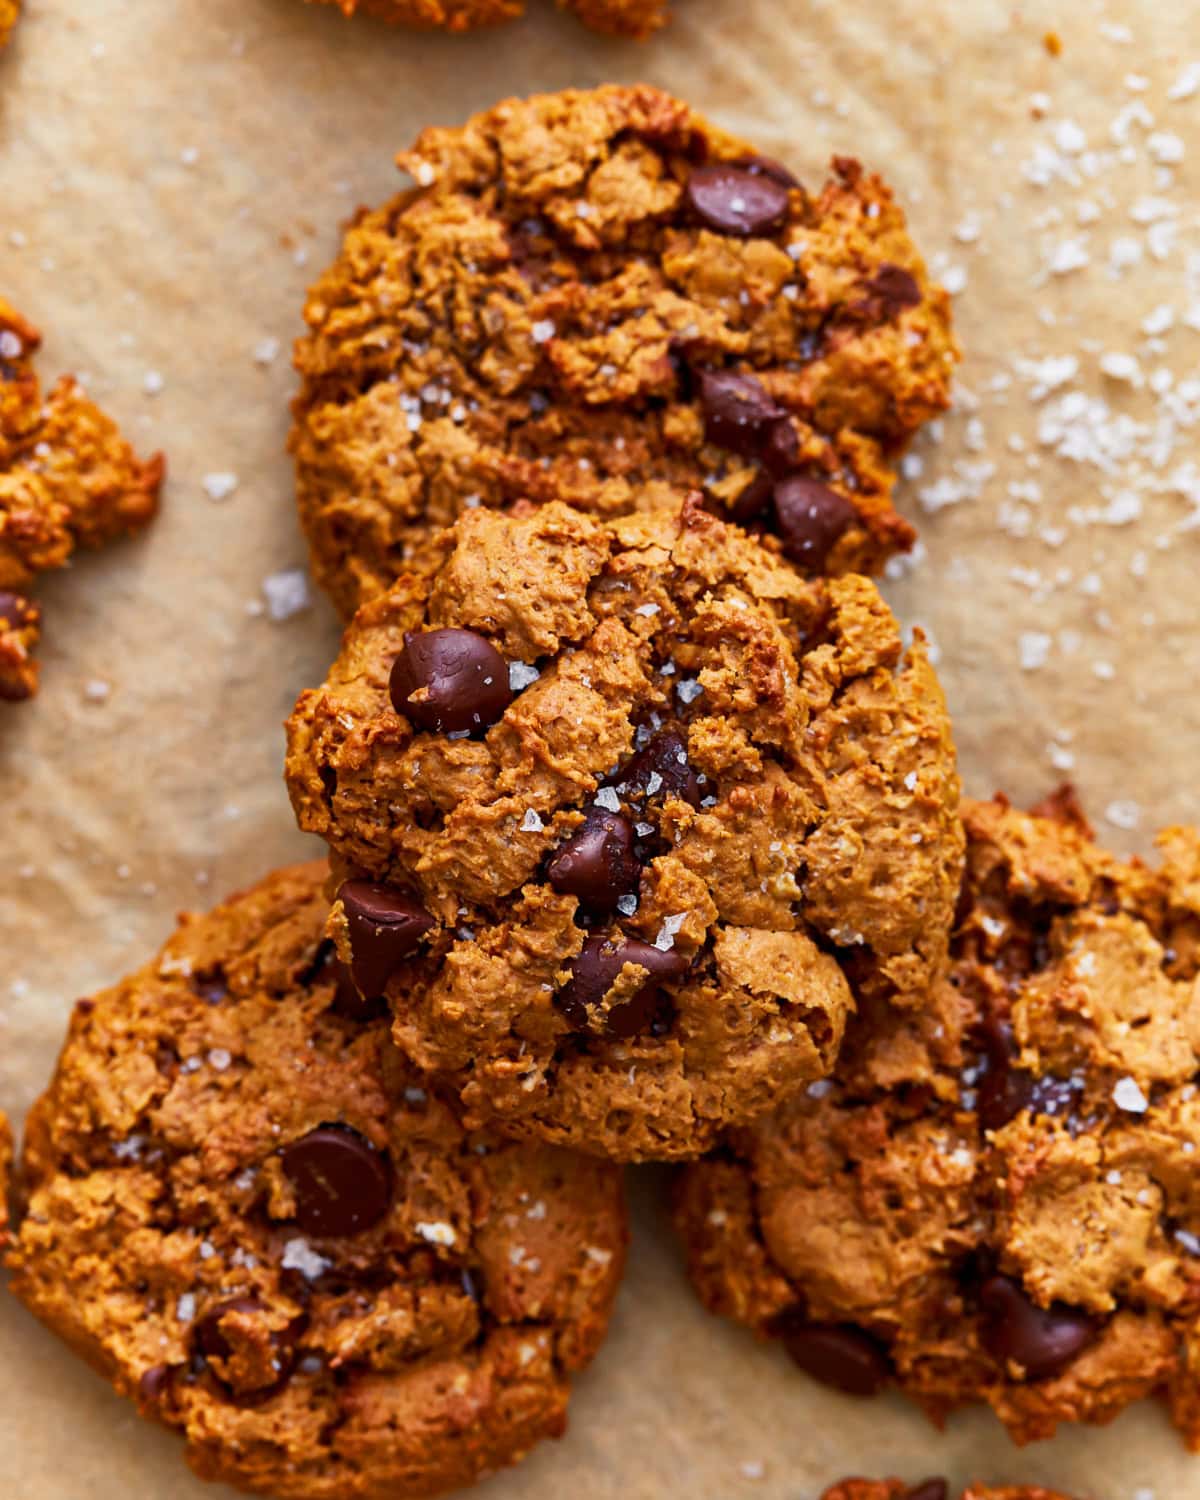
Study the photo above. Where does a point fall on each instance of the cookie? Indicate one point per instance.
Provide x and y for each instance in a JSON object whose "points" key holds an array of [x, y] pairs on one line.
{"points": [[996, 1198], [598, 297], [628, 813], [6, 1156], [67, 479], [630, 18], [932, 1489], [249, 1213], [9, 11]]}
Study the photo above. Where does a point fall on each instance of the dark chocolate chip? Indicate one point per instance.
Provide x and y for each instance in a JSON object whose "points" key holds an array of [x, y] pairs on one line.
{"points": [[837, 1355], [737, 200], [780, 452], [810, 518], [755, 503], [341, 1183], [594, 972], [896, 288], [1043, 1340], [386, 926], [767, 166], [597, 863], [16, 611], [738, 413], [660, 768], [928, 1489], [1004, 1090], [212, 1344], [154, 1384], [449, 681], [211, 986]]}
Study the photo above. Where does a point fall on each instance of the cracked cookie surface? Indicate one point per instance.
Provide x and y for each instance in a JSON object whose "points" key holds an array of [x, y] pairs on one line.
{"points": [[598, 297], [629, 18], [68, 479], [633, 813], [996, 1198], [245, 1209]]}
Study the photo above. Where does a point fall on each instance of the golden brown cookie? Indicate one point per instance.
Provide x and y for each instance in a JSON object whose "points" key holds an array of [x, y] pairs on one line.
{"points": [[629, 812], [6, 1157], [246, 1210], [67, 479], [630, 18], [9, 11], [995, 1199], [932, 1489], [598, 297]]}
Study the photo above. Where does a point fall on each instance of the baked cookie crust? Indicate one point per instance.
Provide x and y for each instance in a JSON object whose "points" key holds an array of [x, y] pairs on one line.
{"points": [[249, 1213], [638, 19], [599, 297], [68, 479], [675, 741], [995, 1199]]}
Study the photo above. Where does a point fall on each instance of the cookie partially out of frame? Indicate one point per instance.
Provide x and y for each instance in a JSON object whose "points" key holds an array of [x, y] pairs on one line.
{"points": [[9, 11], [246, 1210], [996, 1198], [626, 817], [599, 297], [68, 479], [629, 18]]}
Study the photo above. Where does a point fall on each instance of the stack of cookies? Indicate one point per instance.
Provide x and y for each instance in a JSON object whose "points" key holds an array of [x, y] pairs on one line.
{"points": [[644, 844]]}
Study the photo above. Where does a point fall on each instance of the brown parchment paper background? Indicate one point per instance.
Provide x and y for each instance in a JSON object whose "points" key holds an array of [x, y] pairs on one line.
{"points": [[172, 175]]}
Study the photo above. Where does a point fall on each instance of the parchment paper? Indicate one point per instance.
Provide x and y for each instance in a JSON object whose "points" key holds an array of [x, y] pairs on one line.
{"points": [[173, 174]]}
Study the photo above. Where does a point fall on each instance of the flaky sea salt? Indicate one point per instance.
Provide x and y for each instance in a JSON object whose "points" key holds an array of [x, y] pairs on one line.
{"points": [[299, 1255], [436, 1232], [1129, 1097], [287, 594]]}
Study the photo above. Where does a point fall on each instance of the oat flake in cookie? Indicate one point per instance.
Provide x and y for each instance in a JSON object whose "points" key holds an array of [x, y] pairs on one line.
{"points": [[999, 1202], [598, 297], [68, 479], [627, 815], [629, 18], [248, 1213]]}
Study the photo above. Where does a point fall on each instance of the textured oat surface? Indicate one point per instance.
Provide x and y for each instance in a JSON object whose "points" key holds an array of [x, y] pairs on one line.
{"points": [[550, 311], [244, 138], [632, 18], [246, 1211], [1030, 1143], [787, 778]]}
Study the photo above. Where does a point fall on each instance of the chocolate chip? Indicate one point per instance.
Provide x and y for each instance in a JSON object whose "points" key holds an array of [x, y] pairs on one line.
{"points": [[767, 166], [154, 1384], [211, 986], [738, 413], [780, 452], [449, 681], [1004, 1090], [1043, 1340], [341, 1183], [810, 518], [597, 862], [928, 1489], [660, 768], [214, 1345], [837, 1355], [16, 611], [737, 200], [896, 288], [386, 926], [595, 971]]}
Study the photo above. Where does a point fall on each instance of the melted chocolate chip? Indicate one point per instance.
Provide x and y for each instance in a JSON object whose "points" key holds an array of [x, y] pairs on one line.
{"points": [[597, 863], [386, 926], [836, 1355], [1043, 1340], [928, 1489], [896, 288], [1004, 1090], [154, 1384], [810, 518], [211, 1343], [595, 971], [737, 200], [660, 768], [341, 1183], [738, 413], [449, 681]]}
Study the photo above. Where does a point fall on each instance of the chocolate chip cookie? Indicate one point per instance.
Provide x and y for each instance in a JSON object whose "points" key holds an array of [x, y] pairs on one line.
{"points": [[67, 479], [250, 1214], [630, 18], [599, 297], [996, 1199], [627, 814], [932, 1489]]}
